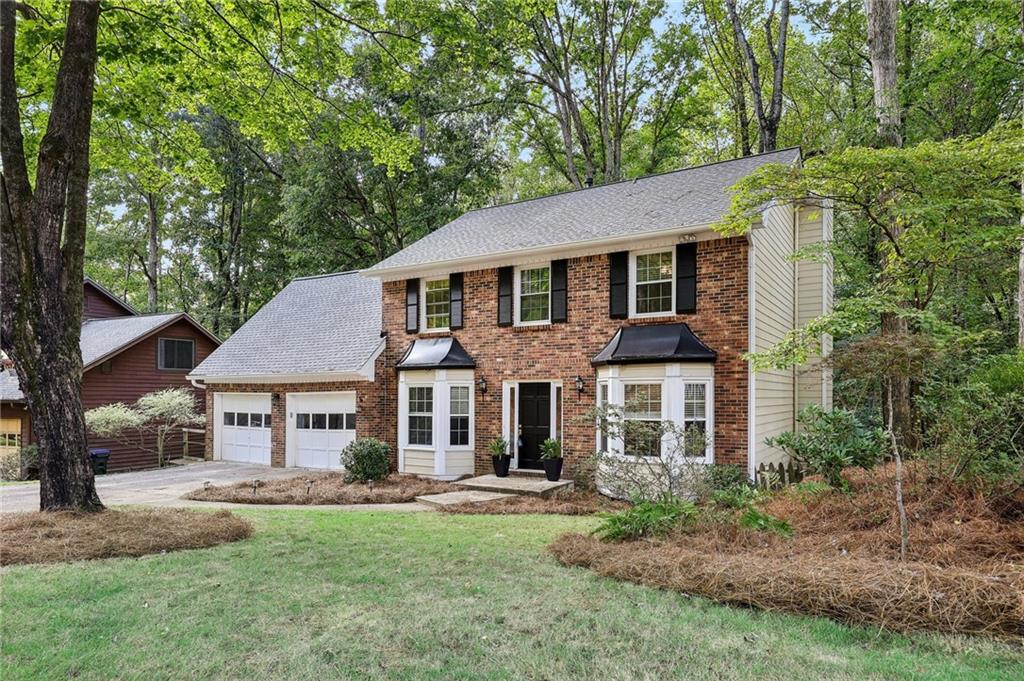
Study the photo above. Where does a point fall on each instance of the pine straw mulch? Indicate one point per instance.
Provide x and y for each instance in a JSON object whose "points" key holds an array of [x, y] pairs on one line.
{"points": [[61, 537], [574, 503], [327, 488], [964, 572]]}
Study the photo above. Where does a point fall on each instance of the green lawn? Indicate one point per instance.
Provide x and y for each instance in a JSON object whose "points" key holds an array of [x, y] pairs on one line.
{"points": [[316, 595]]}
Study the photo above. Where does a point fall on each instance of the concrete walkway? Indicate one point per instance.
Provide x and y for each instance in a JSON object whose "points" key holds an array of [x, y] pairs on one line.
{"points": [[164, 487]]}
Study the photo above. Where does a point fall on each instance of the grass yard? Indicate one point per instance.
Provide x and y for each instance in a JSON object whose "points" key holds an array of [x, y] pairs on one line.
{"points": [[319, 594]]}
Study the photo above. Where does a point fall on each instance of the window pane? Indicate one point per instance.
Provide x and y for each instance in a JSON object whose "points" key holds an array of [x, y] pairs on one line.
{"points": [[459, 400], [350, 421], [421, 400], [534, 287], [643, 400], [602, 425], [335, 421], [229, 418], [319, 421], [654, 267], [695, 441], [302, 421], [256, 420], [421, 419], [242, 420], [175, 353], [437, 303], [642, 438], [459, 430], [695, 404], [652, 298], [266, 420], [421, 430]]}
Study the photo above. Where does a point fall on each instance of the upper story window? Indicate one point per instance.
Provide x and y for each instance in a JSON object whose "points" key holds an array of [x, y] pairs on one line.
{"points": [[176, 353], [436, 304], [533, 295], [653, 290]]}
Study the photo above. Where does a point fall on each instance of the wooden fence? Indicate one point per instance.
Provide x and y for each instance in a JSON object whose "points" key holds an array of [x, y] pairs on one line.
{"points": [[778, 475]]}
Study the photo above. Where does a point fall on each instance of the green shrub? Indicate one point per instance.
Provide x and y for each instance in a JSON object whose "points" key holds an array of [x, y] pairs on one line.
{"points": [[365, 460], [647, 519], [736, 497], [756, 519], [721, 477], [10, 465], [831, 441], [809, 491], [1003, 374]]}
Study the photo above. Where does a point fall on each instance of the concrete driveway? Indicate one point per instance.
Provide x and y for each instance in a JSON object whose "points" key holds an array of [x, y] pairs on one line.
{"points": [[159, 487]]}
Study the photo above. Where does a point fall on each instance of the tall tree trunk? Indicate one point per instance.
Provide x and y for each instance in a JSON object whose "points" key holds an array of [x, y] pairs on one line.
{"points": [[42, 231], [881, 23], [1020, 262], [153, 251]]}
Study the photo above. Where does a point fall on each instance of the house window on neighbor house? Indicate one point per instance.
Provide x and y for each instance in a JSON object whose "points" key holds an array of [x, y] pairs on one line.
{"points": [[176, 353], [436, 304], [653, 288], [421, 415], [533, 299], [458, 407], [642, 419]]}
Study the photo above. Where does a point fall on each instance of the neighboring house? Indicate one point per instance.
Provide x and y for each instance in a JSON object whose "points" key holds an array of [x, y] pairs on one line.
{"points": [[517, 320], [124, 356]]}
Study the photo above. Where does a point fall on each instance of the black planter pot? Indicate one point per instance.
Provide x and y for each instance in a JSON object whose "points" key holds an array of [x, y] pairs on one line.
{"points": [[552, 469], [501, 464]]}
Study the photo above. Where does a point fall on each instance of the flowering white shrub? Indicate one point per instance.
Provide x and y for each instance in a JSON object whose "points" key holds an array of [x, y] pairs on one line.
{"points": [[154, 414]]}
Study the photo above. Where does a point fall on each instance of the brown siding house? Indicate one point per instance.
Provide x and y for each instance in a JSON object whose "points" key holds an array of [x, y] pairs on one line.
{"points": [[122, 360]]}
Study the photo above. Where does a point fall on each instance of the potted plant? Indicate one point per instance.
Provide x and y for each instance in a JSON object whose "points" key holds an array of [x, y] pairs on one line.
{"points": [[500, 456], [551, 457]]}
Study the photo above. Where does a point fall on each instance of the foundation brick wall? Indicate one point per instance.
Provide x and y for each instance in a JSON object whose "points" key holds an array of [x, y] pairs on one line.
{"points": [[563, 351], [372, 416]]}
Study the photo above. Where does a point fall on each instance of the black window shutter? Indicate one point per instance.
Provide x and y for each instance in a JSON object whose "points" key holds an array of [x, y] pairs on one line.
{"points": [[686, 278], [618, 280], [412, 305], [455, 300], [559, 290], [504, 296]]}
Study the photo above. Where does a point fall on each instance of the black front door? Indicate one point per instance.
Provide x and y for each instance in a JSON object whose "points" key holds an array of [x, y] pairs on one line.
{"points": [[534, 422]]}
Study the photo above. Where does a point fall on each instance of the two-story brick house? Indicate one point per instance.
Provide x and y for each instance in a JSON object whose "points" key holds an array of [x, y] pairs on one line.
{"points": [[517, 320]]}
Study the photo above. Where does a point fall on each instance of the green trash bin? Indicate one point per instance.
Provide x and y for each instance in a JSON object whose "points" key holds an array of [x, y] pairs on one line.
{"points": [[99, 459]]}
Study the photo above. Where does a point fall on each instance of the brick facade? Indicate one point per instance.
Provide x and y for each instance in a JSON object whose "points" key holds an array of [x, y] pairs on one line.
{"points": [[563, 351], [372, 416]]}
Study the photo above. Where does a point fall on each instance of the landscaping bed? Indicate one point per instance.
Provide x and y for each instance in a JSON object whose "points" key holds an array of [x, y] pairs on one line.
{"points": [[964, 571], [64, 537], [321, 488], [574, 503]]}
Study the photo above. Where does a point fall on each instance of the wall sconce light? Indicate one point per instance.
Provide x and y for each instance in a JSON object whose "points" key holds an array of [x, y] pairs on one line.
{"points": [[482, 384], [579, 384], [274, 399]]}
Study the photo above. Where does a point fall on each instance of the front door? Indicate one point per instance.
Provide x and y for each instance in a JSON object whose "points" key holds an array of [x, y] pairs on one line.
{"points": [[534, 422]]}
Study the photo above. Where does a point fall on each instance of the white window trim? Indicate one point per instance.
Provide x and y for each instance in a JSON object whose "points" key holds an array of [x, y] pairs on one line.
{"points": [[633, 283], [433, 416], [517, 292], [423, 305], [472, 409]]}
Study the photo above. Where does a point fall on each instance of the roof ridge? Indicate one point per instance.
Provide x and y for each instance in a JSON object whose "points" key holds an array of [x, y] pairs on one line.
{"points": [[633, 179], [324, 276]]}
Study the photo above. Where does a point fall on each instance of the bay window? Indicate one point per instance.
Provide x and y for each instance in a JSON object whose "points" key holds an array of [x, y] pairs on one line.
{"points": [[642, 420], [458, 414], [421, 415]]}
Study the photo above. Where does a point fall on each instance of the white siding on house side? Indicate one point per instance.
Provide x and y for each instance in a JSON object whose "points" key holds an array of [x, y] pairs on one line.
{"points": [[775, 298], [814, 298]]}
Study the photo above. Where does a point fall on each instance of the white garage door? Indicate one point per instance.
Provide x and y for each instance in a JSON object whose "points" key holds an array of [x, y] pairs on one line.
{"points": [[320, 426], [243, 427]]}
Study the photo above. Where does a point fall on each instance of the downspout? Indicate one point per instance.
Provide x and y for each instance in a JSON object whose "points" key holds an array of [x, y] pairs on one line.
{"points": [[196, 383], [796, 306]]}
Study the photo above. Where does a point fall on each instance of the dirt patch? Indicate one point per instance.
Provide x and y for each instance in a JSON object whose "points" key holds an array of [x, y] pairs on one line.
{"points": [[322, 488], [576, 503], [964, 572], [65, 537]]}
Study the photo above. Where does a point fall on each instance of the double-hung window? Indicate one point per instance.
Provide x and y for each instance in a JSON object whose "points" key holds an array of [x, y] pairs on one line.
{"points": [[643, 419], [421, 415], [458, 413], [653, 287], [176, 353], [695, 419], [602, 419], [533, 295], [436, 304]]}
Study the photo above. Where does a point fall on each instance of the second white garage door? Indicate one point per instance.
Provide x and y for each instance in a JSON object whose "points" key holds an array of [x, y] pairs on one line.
{"points": [[320, 426]]}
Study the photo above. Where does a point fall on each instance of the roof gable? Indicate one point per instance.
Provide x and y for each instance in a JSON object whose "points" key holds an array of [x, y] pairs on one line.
{"points": [[99, 302]]}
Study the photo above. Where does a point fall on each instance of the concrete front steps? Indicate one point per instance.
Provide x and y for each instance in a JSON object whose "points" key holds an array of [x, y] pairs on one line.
{"points": [[491, 488]]}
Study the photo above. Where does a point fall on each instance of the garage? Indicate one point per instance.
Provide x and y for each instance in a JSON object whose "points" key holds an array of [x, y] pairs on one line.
{"points": [[243, 423], [320, 425]]}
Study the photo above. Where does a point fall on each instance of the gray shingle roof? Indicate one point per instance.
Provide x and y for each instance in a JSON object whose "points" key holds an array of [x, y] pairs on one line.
{"points": [[100, 337], [683, 198], [315, 325]]}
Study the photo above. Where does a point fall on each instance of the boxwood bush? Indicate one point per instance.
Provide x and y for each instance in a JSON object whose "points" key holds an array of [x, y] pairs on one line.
{"points": [[366, 460]]}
